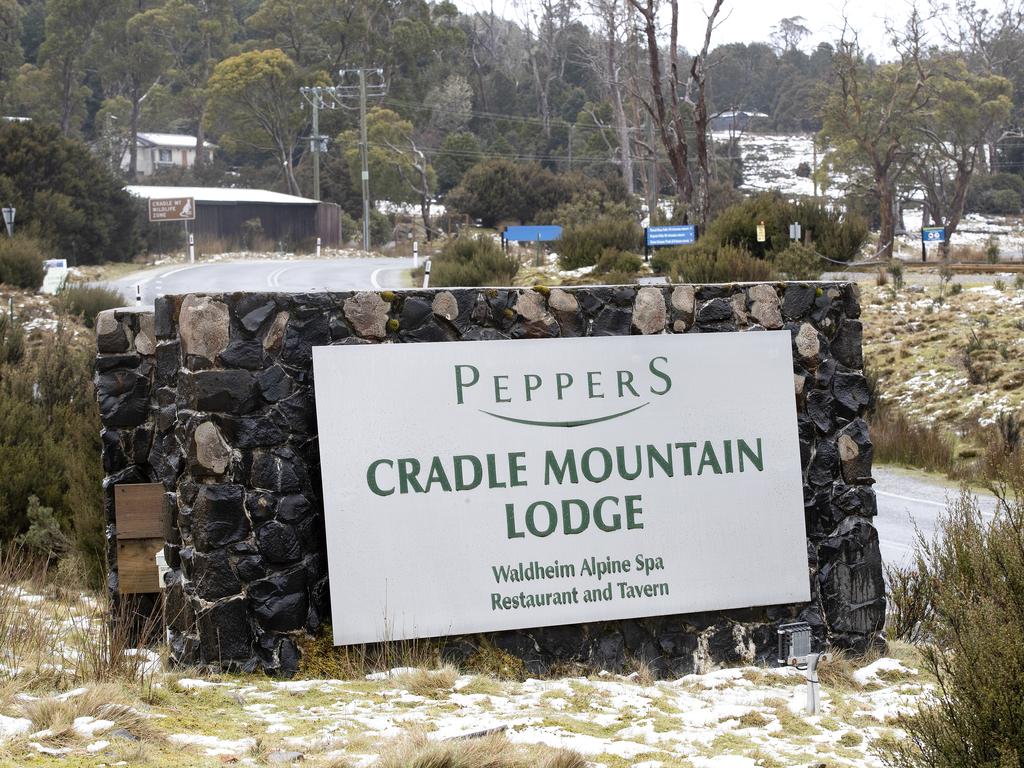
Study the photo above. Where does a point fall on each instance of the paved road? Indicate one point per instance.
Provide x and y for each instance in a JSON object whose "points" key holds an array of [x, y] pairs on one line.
{"points": [[906, 498], [286, 276]]}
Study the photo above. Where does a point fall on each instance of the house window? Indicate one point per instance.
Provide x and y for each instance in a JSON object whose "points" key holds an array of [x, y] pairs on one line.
{"points": [[163, 156]]}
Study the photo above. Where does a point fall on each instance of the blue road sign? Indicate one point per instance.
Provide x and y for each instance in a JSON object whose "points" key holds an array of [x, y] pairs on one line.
{"points": [[675, 235], [933, 234], [533, 233]]}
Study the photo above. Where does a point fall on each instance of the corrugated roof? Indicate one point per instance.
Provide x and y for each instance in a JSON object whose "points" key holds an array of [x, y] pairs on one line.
{"points": [[217, 194], [171, 140]]}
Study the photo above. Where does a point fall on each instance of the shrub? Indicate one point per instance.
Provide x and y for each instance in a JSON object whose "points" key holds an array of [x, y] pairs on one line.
{"points": [[997, 193], [498, 190], [975, 568], [251, 234], [833, 234], [21, 262], [728, 264], [581, 245], [467, 261], [613, 260], [87, 301], [797, 262]]}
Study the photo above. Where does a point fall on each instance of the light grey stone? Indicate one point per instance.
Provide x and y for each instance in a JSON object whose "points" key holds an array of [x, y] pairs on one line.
{"points": [[204, 327], [798, 383], [368, 314], [530, 305], [145, 339], [765, 307], [111, 335], [275, 333], [649, 312], [445, 305], [739, 308], [683, 299], [211, 450], [562, 301], [808, 346]]}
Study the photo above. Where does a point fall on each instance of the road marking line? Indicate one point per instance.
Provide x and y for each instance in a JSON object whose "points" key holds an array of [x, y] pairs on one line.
{"points": [[911, 498], [373, 275], [181, 269]]}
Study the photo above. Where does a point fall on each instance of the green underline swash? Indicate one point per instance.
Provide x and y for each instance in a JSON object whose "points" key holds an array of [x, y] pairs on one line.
{"points": [[564, 424]]}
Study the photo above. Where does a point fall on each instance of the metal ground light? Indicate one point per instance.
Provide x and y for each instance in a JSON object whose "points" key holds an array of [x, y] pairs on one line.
{"points": [[795, 651]]}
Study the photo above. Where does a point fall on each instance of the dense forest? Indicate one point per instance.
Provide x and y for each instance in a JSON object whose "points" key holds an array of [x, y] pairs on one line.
{"points": [[597, 88]]}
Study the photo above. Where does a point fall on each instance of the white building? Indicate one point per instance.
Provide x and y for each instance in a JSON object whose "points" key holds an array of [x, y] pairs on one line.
{"points": [[156, 151]]}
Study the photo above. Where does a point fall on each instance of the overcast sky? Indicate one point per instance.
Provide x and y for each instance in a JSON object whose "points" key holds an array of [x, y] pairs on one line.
{"points": [[752, 20]]}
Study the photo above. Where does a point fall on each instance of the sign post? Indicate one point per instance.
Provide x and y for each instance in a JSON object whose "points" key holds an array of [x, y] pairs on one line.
{"points": [[9, 220], [533, 233], [931, 235], [633, 478], [659, 237], [181, 209]]}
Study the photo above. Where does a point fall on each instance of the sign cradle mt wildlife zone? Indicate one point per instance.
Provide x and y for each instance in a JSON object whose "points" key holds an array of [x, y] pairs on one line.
{"points": [[509, 484]]}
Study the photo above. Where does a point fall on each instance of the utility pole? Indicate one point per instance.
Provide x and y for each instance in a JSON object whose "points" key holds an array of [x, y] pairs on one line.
{"points": [[319, 97], [363, 90], [652, 178]]}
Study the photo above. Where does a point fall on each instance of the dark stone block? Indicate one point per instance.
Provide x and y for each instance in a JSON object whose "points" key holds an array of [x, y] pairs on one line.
{"points": [[123, 397], [219, 516], [282, 472], [168, 361], [225, 391], [244, 353], [278, 542], [825, 464], [824, 372], [714, 311], [294, 508], [255, 316], [846, 346], [850, 579], [853, 500], [301, 336], [288, 659], [797, 301], [855, 451], [476, 333], [250, 568], [224, 632], [178, 613], [265, 430], [274, 383], [117, 362], [430, 330], [115, 340], [260, 506], [851, 391], [213, 576], [280, 602], [164, 316], [819, 409], [415, 311], [299, 412], [612, 321]]}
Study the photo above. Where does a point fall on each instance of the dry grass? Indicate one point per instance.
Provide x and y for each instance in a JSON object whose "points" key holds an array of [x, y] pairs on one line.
{"points": [[429, 683], [640, 672], [491, 751], [322, 660], [104, 701], [837, 673], [898, 440]]}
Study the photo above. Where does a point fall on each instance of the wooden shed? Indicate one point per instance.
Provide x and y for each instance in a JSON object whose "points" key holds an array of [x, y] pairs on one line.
{"points": [[224, 214]]}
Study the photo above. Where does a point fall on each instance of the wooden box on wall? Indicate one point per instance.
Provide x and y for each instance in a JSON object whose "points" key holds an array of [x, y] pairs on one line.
{"points": [[142, 526]]}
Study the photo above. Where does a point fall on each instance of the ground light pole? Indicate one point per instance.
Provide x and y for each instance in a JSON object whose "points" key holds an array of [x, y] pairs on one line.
{"points": [[362, 91]]}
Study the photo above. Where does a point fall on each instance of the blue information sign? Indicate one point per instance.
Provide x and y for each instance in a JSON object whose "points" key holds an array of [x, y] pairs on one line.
{"points": [[675, 235], [533, 233], [933, 234]]}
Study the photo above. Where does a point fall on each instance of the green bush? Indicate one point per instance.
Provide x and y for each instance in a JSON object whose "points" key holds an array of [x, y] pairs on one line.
{"points": [[581, 245], [21, 262], [467, 261], [997, 193], [974, 569], [613, 260], [49, 444], [797, 262], [833, 234], [503, 190], [705, 264], [87, 301]]}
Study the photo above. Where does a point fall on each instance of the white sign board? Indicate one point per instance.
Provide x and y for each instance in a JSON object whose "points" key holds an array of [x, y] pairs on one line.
{"points": [[490, 485]]}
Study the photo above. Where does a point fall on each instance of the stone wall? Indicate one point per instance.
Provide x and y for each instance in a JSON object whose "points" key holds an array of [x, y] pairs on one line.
{"points": [[221, 411]]}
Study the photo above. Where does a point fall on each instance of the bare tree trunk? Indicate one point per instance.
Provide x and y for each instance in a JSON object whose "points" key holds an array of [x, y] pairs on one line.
{"points": [[887, 222], [133, 134]]}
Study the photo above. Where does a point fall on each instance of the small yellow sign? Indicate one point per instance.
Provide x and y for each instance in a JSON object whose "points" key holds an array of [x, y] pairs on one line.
{"points": [[760, 233]]}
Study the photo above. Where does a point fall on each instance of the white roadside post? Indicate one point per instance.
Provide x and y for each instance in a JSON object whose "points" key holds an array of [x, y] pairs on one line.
{"points": [[138, 294], [9, 220], [318, 247], [426, 274], [191, 248], [415, 254]]}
